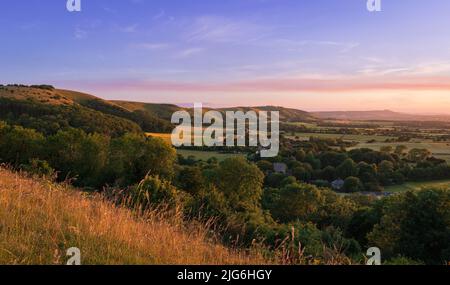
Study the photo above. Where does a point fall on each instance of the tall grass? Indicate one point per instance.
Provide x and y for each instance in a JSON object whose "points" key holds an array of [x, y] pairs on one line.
{"points": [[40, 220]]}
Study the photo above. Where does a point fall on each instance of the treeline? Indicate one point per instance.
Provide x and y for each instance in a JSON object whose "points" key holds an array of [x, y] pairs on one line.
{"points": [[318, 162], [89, 160], [41, 86]]}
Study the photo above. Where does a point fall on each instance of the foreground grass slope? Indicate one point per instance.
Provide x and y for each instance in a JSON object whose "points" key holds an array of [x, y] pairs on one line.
{"points": [[40, 220]]}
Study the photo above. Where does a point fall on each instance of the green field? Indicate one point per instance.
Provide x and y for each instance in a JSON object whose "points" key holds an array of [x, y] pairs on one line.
{"points": [[438, 149], [205, 155], [355, 138], [417, 186]]}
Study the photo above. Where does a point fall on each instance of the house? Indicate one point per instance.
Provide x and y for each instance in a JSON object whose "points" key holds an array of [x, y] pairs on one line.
{"points": [[337, 184], [280, 167]]}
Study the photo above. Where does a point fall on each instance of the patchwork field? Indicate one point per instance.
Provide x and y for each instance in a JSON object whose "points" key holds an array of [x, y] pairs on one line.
{"points": [[438, 149]]}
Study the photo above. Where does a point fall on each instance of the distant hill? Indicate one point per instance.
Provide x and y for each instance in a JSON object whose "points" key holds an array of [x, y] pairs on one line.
{"points": [[377, 115], [165, 111], [48, 109], [286, 114]]}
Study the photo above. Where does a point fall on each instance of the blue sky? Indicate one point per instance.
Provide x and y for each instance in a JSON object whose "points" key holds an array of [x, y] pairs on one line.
{"points": [[313, 55]]}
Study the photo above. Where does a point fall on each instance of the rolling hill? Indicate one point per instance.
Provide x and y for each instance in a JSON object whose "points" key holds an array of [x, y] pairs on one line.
{"points": [[48, 109], [165, 111]]}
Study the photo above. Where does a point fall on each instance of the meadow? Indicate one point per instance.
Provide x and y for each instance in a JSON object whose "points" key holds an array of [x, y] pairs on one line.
{"points": [[105, 233]]}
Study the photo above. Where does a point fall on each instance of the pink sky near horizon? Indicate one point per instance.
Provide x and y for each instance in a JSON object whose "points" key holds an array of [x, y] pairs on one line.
{"points": [[411, 94]]}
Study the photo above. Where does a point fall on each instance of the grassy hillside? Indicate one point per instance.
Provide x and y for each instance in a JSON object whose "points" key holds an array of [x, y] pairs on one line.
{"points": [[162, 111], [51, 109], [40, 220]]}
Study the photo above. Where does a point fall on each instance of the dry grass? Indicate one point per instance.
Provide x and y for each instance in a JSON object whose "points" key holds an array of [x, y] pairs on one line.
{"points": [[40, 220]]}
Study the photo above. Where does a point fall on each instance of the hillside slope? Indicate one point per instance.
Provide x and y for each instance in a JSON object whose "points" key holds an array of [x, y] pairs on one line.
{"points": [[40, 220], [48, 109]]}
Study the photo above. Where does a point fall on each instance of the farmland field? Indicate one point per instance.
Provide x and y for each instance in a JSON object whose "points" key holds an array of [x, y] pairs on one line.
{"points": [[205, 155], [356, 138], [438, 149], [198, 154], [418, 185]]}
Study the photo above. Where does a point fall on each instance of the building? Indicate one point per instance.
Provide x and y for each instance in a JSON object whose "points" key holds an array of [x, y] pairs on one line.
{"points": [[280, 167], [337, 184]]}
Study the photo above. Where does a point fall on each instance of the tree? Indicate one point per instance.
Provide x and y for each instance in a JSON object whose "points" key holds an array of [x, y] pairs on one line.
{"points": [[329, 173], [347, 168], [332, 158], [19, 146], [367, 172], [190, 179], [298, 202], [352, 184], [133, 156], [400, 150], [79, 156], [265, 165], [300, 155], [385, 167], [241, 183], [415, 225], [417, 155], [302, 173], [385, 172]]}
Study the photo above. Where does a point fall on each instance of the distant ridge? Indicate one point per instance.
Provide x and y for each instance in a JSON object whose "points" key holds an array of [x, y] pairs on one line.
{"points": [[375, 115]]}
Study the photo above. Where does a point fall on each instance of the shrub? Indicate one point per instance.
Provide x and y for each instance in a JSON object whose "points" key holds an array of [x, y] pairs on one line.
{"points": [[39, 167], [352, 184], [153, 191]]}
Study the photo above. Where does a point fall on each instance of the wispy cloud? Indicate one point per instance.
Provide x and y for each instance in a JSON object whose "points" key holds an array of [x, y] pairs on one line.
{"points": [[80, 33], [159, 15], [223, 30], [129, 29], [189, 52], [150, 46], [300, 45]]}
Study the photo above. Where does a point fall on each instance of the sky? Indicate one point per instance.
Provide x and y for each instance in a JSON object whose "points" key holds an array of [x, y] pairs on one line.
{"points": [[310, 55]]}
